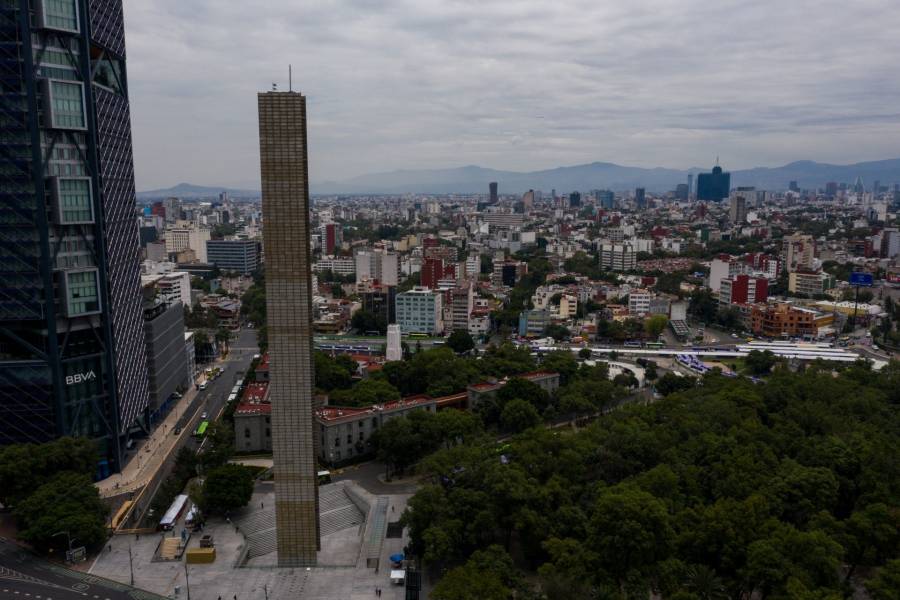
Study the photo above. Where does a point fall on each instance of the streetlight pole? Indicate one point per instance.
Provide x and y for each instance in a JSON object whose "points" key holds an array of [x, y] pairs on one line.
{"points": [[187, 582], [131, 564]]}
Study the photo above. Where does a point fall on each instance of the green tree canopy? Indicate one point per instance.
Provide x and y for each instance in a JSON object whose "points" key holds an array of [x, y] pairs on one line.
{"points": [[460, 341], [724, 487], [226, 488], [760, 363], [886, 583], [558, 332], [26, 467], [364, 321], [655, 325], [519, 415], [69, 503], [219, 446], [365, 393], [334, 374]]}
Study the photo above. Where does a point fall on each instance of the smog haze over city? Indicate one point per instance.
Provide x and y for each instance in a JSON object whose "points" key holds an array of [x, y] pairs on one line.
{"points": [[517, 85]]}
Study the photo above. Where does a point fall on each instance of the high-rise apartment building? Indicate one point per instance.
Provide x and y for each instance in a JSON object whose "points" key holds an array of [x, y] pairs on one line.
{"points": [[494, 189], [528, 201], [285, 205], [72, 357], [618, 257], [743, 289], [798, 252], [738, 209], [432, 272], [331, 237]]}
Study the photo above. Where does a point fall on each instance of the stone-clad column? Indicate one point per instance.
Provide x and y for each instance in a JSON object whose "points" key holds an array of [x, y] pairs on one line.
{"points": [[286, 235]]}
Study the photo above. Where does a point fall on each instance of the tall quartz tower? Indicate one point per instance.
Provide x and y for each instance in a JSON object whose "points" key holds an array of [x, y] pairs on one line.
{"points": [[285, 205]]}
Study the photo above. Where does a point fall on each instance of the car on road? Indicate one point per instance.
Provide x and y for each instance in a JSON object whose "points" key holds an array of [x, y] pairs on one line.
{"points": [[204, 416], [203, 385]]}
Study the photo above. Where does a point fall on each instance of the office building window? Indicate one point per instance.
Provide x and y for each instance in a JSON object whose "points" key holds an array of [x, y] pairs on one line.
{"points": [[58, 14], [246, 432], [66, 105], [82, 294], [73, 201]]}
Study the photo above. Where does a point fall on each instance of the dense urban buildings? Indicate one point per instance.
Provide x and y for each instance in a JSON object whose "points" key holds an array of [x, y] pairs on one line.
{"points": [[73, 361], [285, 204]]}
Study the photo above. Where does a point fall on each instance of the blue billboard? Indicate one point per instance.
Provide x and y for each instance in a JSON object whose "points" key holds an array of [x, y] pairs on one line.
{"points": [[861, 279]]}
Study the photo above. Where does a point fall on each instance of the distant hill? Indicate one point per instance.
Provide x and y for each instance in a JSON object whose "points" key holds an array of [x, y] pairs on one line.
{"points": [[199, 192], [599, 175]]}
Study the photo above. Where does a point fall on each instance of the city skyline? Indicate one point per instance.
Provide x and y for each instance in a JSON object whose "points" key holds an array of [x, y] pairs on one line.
{"points": [[513, 86]]}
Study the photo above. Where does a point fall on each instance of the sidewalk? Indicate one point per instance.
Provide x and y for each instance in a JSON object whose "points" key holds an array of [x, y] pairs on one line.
{"points": [[152, 452]]}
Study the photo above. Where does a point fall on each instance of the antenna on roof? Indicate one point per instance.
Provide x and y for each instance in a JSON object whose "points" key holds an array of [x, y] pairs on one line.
{"points": [[717, 161], [274, 87], [290, 79]]}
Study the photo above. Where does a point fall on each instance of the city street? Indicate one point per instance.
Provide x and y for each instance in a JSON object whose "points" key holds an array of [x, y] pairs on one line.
{"points": [[152, 453], [23, 575]]}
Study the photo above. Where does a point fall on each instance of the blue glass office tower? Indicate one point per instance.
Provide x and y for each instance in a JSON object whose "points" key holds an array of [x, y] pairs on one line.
{"points": [[715, 186], [72, 357]]}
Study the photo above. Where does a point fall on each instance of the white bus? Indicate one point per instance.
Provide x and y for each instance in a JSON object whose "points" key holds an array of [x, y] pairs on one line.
{"points": [[171, 517]]}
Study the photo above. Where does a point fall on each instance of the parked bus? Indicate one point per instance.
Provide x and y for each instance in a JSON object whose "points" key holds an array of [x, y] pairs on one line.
{"points": [[324, 477], [655, 345], [201, 430], [171, 517]]}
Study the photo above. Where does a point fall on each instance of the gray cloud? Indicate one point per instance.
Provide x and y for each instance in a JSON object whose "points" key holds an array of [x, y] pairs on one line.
{"points": [[513, 84]]}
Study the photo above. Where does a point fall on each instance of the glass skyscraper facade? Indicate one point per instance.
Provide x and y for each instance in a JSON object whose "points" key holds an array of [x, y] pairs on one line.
{"points": [[72, 356], [715, 186]]}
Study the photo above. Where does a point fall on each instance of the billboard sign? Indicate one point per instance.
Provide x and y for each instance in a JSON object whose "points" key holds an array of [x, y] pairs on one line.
{"points": [[861, 279]]}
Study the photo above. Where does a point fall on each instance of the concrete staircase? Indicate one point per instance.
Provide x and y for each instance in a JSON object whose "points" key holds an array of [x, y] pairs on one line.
{"points": [[170, 549], [337, 512]]}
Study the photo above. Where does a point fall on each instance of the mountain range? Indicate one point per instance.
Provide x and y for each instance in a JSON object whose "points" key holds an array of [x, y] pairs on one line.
{"points": [[598, 175], [194, 192]]}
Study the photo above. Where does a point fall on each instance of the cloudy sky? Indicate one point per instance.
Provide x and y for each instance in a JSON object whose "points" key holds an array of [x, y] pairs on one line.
{"points": [[513, 84]]}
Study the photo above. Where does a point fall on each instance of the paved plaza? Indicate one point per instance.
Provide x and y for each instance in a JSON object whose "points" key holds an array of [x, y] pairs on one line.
{"points": [[346, 569]]}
